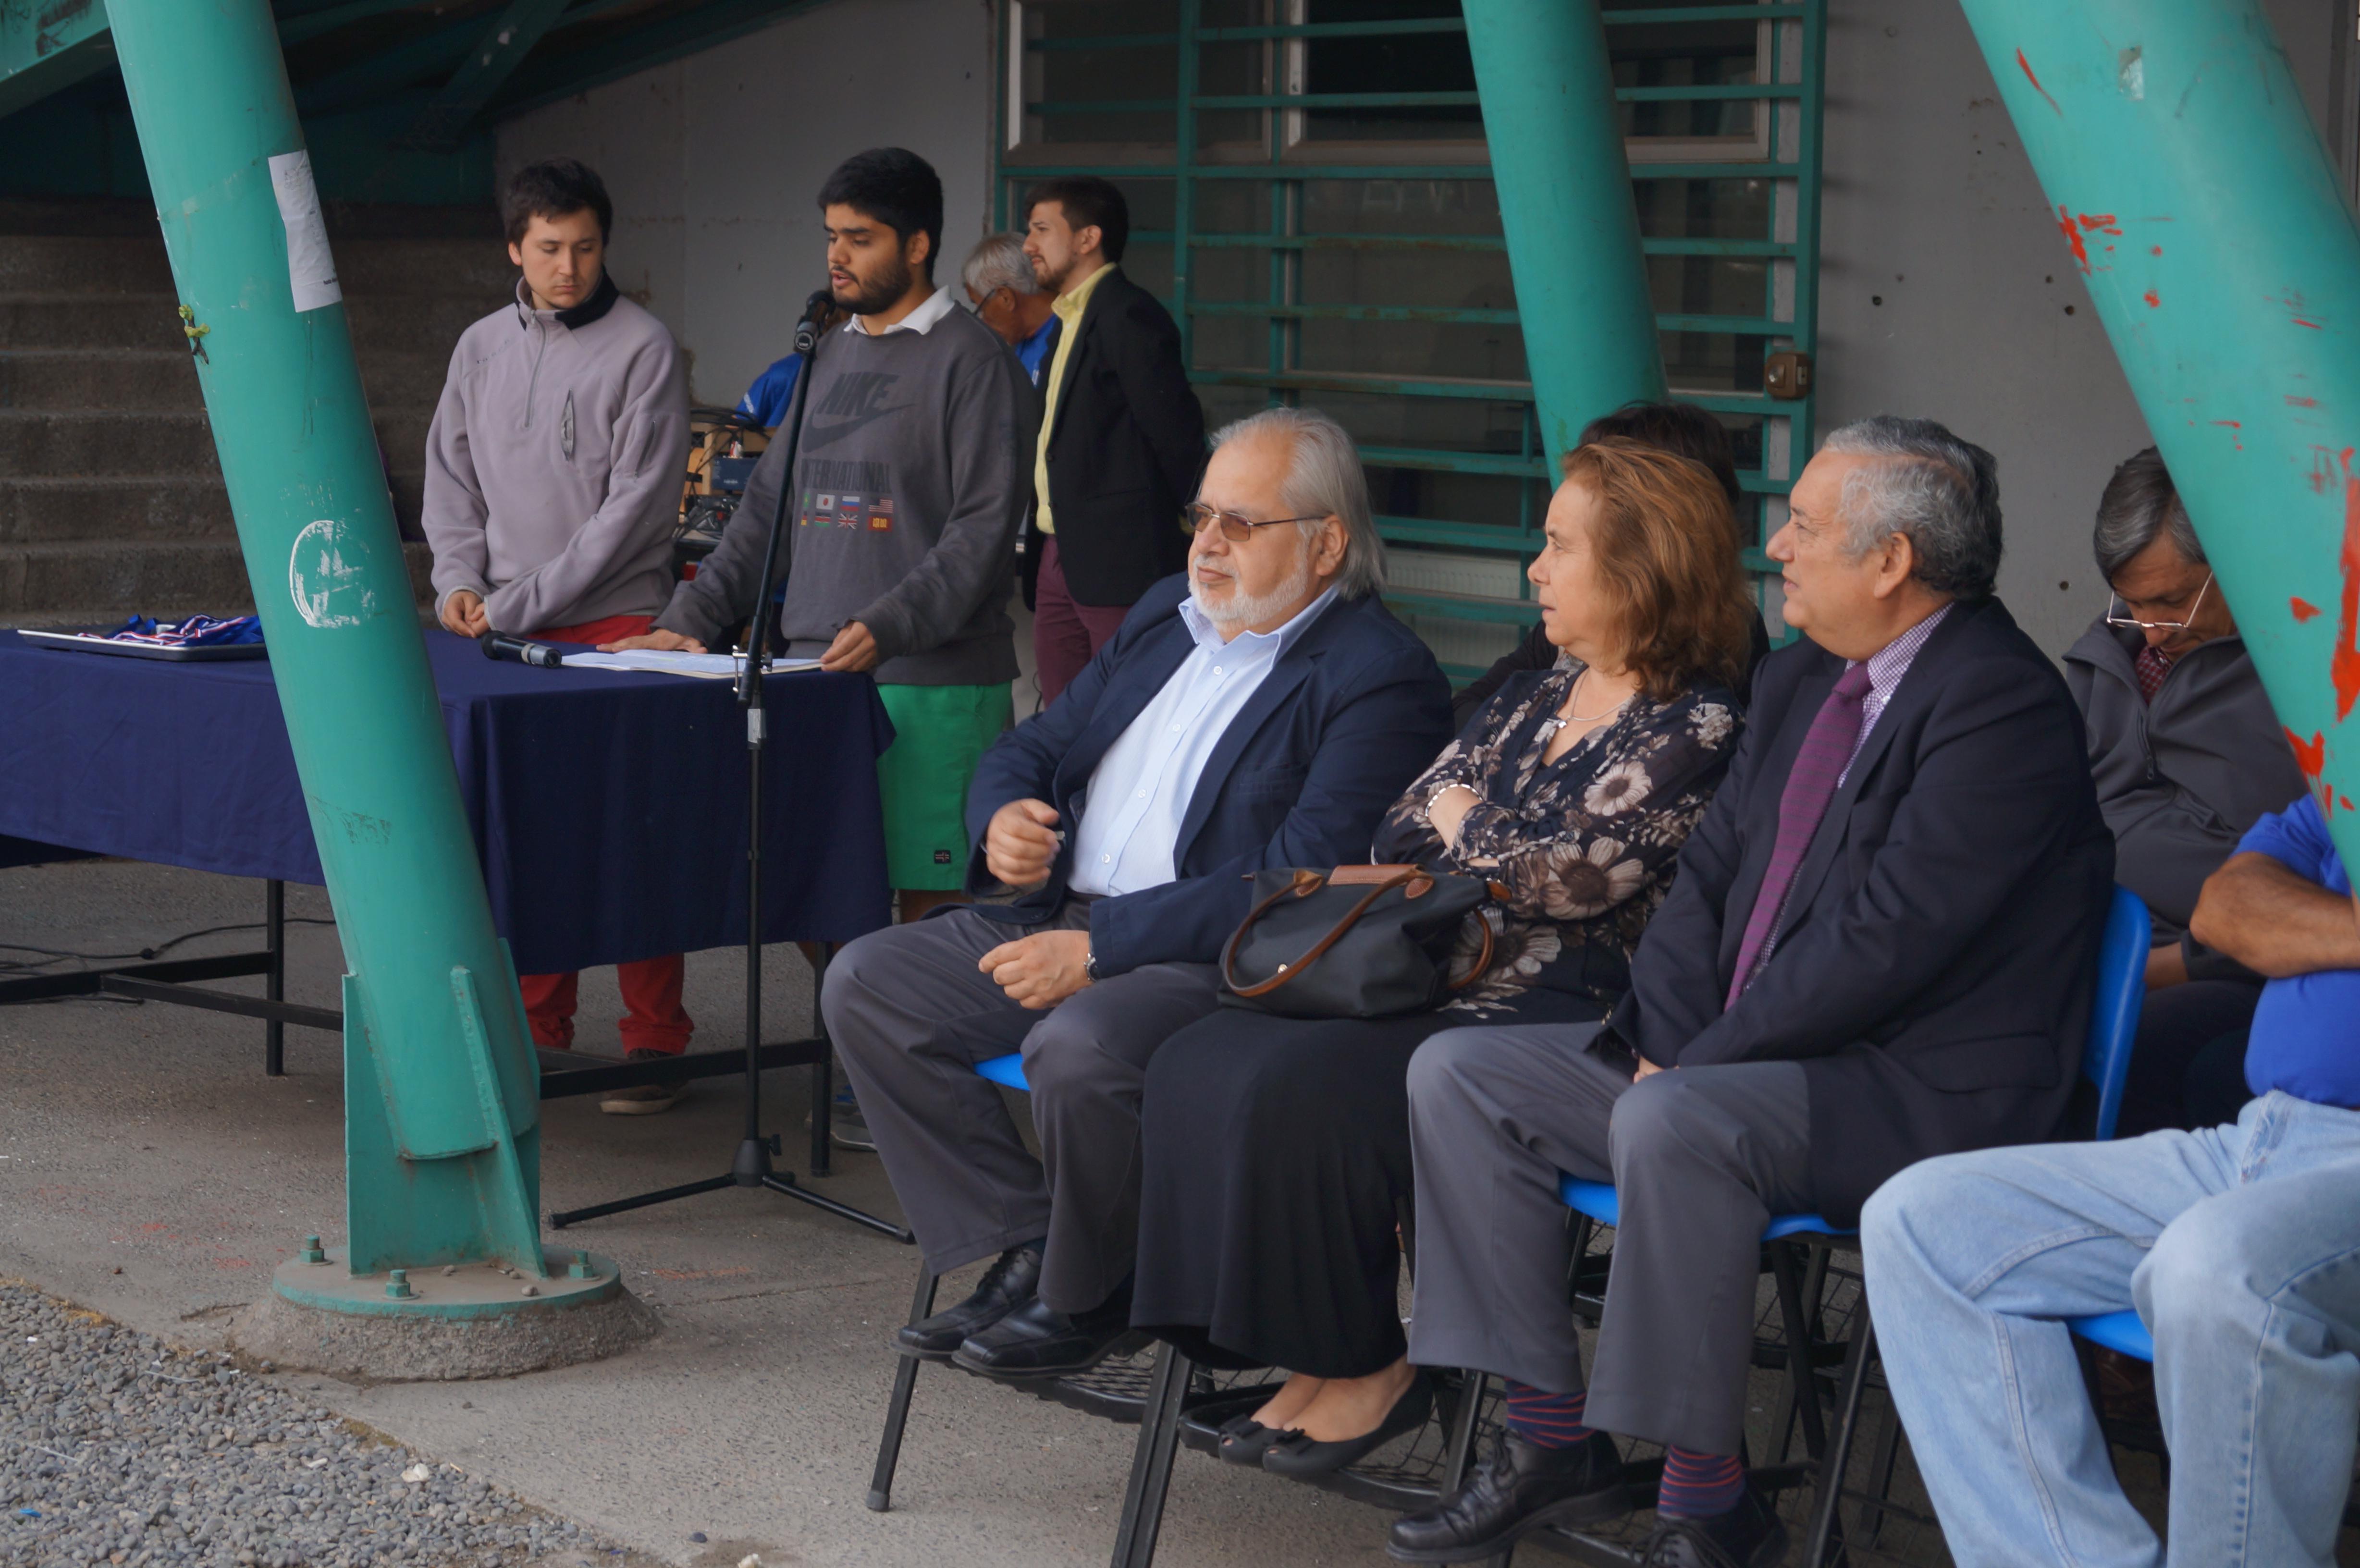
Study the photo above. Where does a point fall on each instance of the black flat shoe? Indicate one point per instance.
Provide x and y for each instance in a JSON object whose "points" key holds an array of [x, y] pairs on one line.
{"points": [[1522, 1489], [1296, 1454], [1006, 1285], [1748, 1536], [1245, 1440], [1037, 1340]]}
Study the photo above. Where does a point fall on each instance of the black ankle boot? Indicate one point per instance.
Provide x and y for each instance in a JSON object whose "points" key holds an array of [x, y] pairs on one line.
{"points": [[1522, 1489], [1747, 1536]]}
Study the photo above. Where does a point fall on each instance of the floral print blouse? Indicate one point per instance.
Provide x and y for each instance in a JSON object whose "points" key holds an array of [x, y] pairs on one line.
{"points": [[1584, 845]]}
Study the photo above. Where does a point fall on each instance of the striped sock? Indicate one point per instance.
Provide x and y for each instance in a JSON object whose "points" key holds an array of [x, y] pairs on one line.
{"points": [[1547, 1420], [1700, 1485]]}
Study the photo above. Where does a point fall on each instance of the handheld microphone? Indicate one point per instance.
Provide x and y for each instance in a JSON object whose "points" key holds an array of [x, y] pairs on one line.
{"points": [[498, 645], [815, 310]]}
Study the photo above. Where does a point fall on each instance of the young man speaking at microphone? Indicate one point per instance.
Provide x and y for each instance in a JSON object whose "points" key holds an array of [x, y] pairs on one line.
{"points": [[908, 486]]}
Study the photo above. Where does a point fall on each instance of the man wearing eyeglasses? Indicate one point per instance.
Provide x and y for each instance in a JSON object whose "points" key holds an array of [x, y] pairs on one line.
{"points": [[2188, 756], [1263, 709]]}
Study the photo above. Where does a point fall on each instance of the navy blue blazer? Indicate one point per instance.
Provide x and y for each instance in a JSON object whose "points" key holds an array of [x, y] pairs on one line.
{"points": [[1936, 963], [1351, 713]]}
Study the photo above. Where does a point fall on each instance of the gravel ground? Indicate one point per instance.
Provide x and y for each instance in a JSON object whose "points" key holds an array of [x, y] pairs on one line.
{"points": [[117, 1448]]}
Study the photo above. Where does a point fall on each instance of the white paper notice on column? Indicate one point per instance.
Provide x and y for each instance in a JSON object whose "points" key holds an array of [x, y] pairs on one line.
{"points": [[310, 268]]}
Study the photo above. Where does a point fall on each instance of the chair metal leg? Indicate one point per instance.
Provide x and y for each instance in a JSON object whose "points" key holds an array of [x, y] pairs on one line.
{"points": [[897, 1408], [1150, 1462], [1826, 1496], [1460, 1456], [1802, 1366]]}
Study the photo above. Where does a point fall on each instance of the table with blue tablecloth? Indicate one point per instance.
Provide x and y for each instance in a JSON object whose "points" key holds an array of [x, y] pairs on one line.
{"points": [[608, 807]]}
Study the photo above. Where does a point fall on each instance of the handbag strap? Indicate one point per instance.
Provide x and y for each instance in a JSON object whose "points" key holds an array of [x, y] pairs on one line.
{"points": [[1304, 884], [1483, 959]]}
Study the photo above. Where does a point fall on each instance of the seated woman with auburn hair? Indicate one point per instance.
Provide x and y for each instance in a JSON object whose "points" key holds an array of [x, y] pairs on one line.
{"points": [[1276, 1150]]}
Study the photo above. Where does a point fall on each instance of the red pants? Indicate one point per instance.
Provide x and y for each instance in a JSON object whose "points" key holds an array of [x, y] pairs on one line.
{"points": [[654, 1019], [1066, 636]]}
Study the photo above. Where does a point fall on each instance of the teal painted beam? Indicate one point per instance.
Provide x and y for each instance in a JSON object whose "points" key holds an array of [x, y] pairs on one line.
{"points": [[442, 1118], [521, 24], [389, 71], [2191, 191], [552, 76], [1567, 209], [47, 46]]}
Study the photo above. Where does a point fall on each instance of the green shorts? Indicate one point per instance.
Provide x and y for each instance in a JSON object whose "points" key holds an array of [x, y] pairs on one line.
{"points": [[939, 732]]}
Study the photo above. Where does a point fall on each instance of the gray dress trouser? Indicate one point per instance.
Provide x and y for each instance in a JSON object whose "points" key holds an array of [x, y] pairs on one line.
{"points": [[1700, 1159], [911, 1015]]}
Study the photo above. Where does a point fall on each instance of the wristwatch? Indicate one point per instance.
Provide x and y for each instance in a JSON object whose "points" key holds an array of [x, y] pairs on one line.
{"points": [[1090, 965]]}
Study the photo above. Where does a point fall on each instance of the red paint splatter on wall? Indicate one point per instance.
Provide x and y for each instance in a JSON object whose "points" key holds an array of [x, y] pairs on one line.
{"points": [[2344, 668], [2295, 402], [2234, 428], [2100, 221], [2304, 610], [2152, 297], [2155, 250], [2027, 67], [2073, 237]]}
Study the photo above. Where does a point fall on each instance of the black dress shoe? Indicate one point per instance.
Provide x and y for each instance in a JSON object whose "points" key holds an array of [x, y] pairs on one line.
{"points": [[1524, 1487], [1006, 1285], [1245, 1440], [1748, 1536], [1038, 1341], [1298, 1455]]}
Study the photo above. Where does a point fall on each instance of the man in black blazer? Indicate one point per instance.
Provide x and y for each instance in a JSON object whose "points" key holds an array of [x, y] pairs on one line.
{"points": [[1880, 946], [1263, 711], [1122, 437]]}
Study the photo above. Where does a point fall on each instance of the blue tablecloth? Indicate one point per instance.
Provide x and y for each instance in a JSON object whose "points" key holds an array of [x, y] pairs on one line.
{"points": [[608, 808]]}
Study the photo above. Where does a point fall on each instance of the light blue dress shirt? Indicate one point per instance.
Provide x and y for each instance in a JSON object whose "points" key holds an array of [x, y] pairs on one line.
{"points": [[1138, 792]]}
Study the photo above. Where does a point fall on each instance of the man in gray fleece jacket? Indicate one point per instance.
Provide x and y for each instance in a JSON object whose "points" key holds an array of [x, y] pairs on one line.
{"points": [[901, 518], [552, 484], [553, 466]]}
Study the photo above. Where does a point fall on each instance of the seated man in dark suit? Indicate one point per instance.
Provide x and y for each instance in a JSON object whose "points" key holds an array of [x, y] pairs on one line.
{"points": [[1879, 946], [1263, 711]]}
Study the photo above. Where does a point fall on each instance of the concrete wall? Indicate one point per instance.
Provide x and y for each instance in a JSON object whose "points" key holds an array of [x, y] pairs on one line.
{"points": [[1945, 289], [714, 162]]}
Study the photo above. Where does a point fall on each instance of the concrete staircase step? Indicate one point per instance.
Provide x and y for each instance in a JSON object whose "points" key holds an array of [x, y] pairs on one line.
{"points": [[113, 580], [50, 510], [145, 577], [74, 264], [82, 443], [138, 380], [149, 321]]}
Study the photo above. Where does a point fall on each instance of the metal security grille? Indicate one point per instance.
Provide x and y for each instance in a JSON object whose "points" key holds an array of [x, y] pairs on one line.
{"points": [[1311, 193]]}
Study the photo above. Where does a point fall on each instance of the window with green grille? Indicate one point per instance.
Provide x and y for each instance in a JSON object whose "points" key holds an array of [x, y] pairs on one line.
{"points": [[1311, 194]]}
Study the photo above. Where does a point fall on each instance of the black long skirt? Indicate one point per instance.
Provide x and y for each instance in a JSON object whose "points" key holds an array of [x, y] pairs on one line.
{"points": [[1277, 1167]]}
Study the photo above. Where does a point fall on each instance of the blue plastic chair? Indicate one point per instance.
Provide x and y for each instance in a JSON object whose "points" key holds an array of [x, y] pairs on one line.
{"points": [[1007, 1070], [2105, 1062]]}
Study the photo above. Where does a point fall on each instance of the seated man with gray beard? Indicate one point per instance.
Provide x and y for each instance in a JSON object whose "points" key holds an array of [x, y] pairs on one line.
{"points": [[1262, 711]]}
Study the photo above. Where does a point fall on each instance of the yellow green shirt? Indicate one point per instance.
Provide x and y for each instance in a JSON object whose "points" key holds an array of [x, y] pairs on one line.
{"points": [[1070, 307]]}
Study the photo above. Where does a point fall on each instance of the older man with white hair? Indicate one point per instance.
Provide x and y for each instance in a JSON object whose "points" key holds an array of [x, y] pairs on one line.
{"points": [[998, 276], [1879, 946], [1263, 709]]}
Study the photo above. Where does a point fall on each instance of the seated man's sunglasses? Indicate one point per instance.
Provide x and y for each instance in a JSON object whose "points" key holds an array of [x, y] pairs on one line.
{"points": [[1197, 517]]}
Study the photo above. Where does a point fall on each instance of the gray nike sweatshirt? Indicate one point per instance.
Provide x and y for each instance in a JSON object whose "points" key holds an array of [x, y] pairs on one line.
{"points": [[553, 466], [913, 472]]}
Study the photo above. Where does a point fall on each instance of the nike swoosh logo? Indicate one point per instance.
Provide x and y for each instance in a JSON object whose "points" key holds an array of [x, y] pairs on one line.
{"points": [[829, 435]]}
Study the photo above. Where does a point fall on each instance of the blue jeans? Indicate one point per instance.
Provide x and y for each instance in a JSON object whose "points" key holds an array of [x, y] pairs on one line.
{"points": [[2240, 1247]]}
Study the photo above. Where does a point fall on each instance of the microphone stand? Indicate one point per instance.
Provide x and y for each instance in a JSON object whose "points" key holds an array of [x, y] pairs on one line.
{"points": [[752, 1167]]}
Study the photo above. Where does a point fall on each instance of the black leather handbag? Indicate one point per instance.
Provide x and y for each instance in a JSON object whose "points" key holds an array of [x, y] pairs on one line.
{"points": [[1360, 942]]}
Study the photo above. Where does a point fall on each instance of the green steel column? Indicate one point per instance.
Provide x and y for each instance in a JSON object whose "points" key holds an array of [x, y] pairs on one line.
{"points": [[1565, 201], [441, 1090], [2194, 196]]}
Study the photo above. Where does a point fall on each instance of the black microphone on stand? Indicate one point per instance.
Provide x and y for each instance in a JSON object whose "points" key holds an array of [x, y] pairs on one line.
{"points": [[500, 645], [815, 310]]}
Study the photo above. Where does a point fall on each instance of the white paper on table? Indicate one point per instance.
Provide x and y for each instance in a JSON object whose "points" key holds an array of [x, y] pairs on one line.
{"points": [[311, 270], [707, 665]]}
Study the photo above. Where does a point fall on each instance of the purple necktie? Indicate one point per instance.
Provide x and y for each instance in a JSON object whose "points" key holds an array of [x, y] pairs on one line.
{"points": [[1819, 766]]}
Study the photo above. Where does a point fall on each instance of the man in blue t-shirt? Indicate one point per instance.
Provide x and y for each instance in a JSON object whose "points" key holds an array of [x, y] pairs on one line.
{"points": [[772, 392], [2239, 1245]]}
